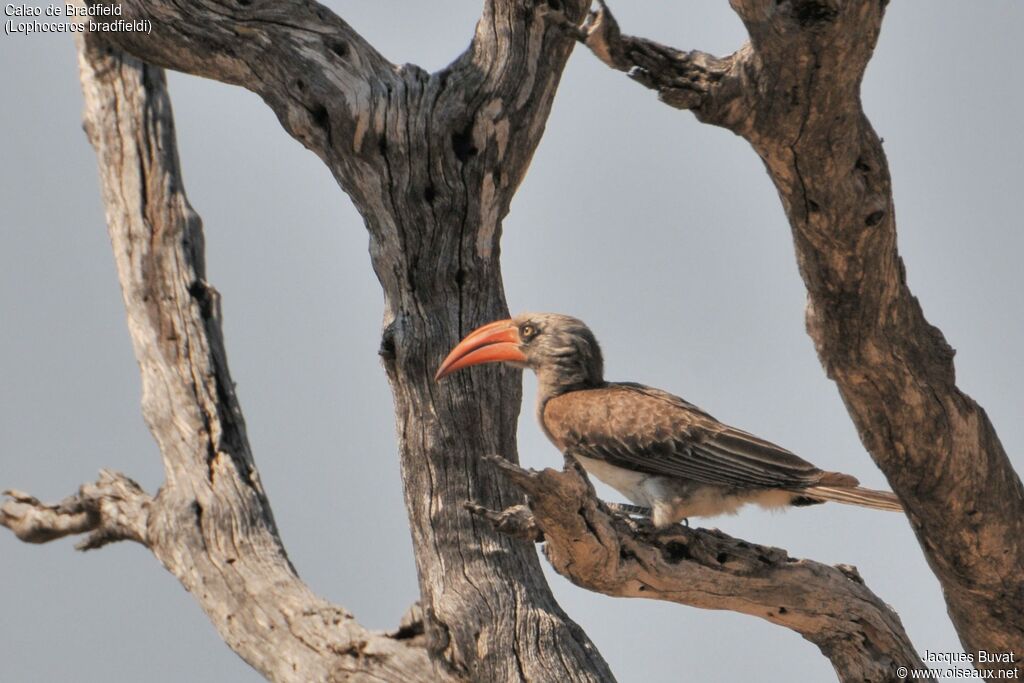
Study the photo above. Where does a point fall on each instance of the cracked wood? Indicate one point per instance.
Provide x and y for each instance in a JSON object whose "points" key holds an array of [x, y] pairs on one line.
{"points": [[829, 606], [210, 524], [794, 93], [431, 161]]}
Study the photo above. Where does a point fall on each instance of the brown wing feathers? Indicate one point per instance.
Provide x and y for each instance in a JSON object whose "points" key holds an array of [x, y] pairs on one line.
{"points": [[648, 430], [622, 431], [857, 495]]}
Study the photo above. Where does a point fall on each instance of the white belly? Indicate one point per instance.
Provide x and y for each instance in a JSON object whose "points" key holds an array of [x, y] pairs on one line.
{"points": [[626, 482], [672, 499]]}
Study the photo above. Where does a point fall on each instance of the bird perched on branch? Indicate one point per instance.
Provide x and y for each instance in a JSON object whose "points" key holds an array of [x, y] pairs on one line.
{"points": [[656, 449]]}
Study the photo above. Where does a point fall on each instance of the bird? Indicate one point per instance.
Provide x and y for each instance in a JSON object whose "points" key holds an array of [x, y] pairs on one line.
{"points": [[671, 459]]}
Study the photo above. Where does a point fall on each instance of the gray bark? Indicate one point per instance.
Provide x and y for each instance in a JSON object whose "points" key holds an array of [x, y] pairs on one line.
{"points": [[431, 161], [794, 93], [829, 606], [210, 524]]}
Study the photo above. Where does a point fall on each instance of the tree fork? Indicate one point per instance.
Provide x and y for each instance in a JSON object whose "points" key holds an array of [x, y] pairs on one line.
{"points": [[431, 161], [794, 93], [210, 524]]}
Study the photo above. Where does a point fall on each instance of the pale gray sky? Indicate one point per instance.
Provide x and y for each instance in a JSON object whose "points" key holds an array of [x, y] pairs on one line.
{"points": [[665, 235]]}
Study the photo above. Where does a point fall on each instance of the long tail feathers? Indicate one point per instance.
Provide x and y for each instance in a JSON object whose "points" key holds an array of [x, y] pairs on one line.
{"points": [[857, 495]]}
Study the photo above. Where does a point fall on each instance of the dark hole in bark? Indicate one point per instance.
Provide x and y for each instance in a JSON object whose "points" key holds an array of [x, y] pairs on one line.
{"points": [[460, 277], [408, 631], [862, 166], [626, 554], [382, 145], [300, 84], [764, 559], [338, 47], [201, 293], [320, 116], [722, 558], [874, 218], [197, 510], [430, 194], [812, 206], [810, 12], [555, 5], [244, 3], [387, 343], [675, 551], [462, 144], [783, 610]]}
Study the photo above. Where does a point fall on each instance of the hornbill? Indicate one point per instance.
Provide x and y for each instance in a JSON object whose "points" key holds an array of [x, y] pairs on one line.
{"points": [[659, 451]]}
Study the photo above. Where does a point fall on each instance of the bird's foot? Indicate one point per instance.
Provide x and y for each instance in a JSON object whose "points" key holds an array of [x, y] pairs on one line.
{"points": [[629, 510]]}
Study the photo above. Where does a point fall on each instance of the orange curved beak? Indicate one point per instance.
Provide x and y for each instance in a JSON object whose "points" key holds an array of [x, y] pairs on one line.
{"points": [[492, 343]]}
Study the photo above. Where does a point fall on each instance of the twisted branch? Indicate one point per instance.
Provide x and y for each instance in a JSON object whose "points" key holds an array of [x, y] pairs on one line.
{"points": [[612, 554], [794, 93], [115, 508]]}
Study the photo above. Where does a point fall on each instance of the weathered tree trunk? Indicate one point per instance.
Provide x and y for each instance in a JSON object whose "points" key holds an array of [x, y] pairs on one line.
{"points": [[210, 524], [794, 93], [431, 161]]}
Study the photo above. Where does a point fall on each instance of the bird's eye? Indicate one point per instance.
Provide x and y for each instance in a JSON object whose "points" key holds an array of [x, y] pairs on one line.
{"points": [[527, 331]]}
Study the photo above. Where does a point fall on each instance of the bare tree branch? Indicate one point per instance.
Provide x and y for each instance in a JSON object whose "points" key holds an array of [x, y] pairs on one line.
{"points": [[829, 606], [115, 508], [210, 524], [684, 80], [431, 161], [320, 76], [794, 94]]}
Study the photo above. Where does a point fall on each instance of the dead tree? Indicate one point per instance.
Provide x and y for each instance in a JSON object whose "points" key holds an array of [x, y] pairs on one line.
{"points": [[793, 92], [432, 161]]}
